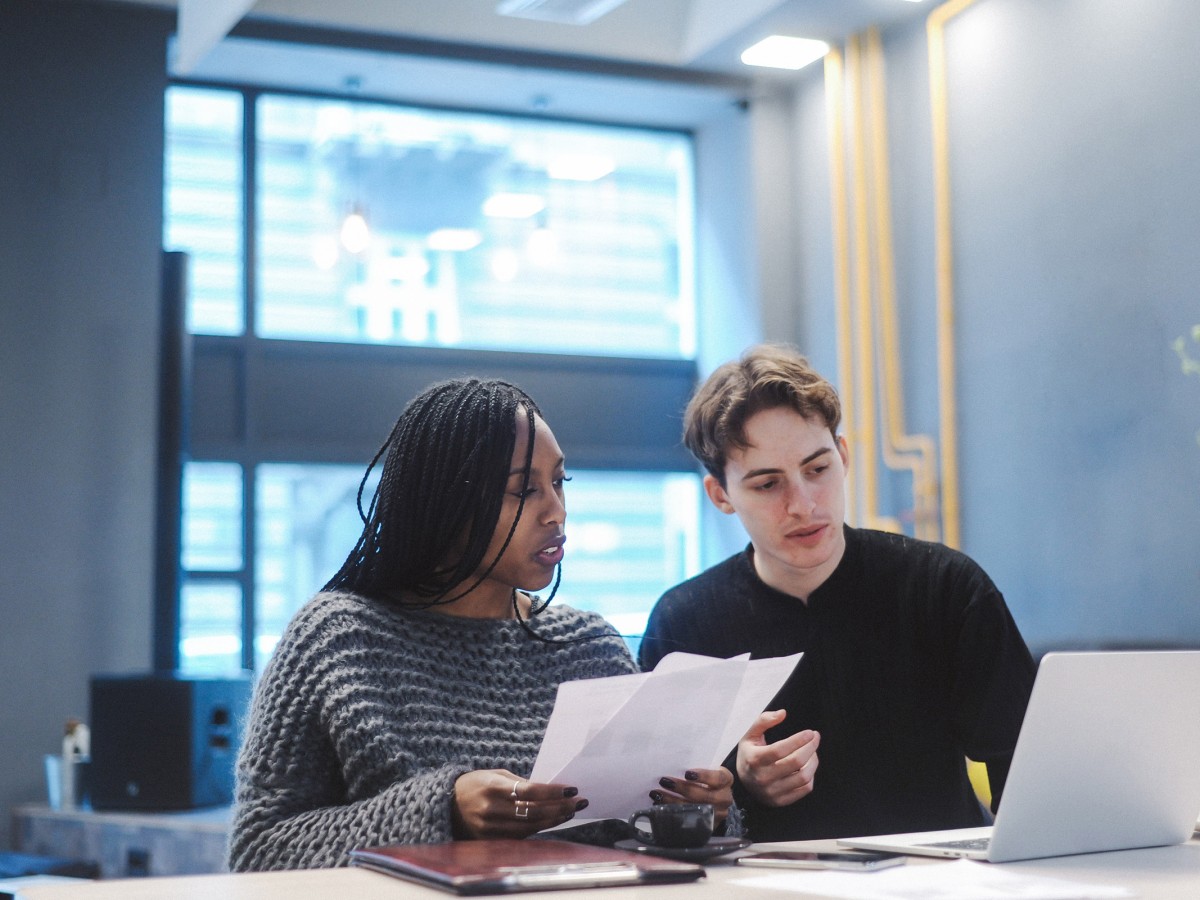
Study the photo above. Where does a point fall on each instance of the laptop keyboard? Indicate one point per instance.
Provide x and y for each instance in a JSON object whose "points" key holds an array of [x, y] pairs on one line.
{"points": [[969, 844]]}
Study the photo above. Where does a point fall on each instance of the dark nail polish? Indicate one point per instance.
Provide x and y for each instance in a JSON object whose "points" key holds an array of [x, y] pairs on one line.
{"points": [[656, 796], [691, 776], [582, 804], [667, 783], [570, 791]]}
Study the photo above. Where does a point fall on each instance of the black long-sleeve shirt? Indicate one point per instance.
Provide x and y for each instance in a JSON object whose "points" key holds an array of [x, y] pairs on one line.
{"points": [[911, 663]]}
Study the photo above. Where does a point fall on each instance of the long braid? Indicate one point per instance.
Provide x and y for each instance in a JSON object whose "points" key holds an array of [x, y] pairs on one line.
{"points": [[445, 470]]}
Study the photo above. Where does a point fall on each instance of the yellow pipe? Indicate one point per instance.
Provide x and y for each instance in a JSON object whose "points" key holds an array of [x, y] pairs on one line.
{"points": [[835, 117], [898, 444], [935, 31], [864, 340]]}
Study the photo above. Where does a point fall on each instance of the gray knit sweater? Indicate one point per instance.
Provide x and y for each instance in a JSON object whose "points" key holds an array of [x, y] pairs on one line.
{"points": [[366, 715]]}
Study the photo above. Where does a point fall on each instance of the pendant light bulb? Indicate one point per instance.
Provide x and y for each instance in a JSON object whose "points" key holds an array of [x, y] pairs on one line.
{"points": [[355, 234]]}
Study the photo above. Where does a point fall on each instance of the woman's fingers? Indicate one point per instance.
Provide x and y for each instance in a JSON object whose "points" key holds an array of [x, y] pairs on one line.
{"points": [[497, 803], [713, 786]]}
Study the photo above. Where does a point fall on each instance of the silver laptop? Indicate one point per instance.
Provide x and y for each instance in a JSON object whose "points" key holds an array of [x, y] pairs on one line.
{"points": [[1108, 759]]}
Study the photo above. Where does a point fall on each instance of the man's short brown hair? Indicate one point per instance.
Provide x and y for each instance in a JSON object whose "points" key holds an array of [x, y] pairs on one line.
{"points": [[767, 376]]}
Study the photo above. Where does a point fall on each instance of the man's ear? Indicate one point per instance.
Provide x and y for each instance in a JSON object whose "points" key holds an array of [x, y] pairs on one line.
{"points": [[717, 494], [843, 450]]}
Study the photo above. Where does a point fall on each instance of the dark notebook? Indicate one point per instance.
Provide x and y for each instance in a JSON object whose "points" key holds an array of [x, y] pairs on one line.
{"points": [[512, 866]]}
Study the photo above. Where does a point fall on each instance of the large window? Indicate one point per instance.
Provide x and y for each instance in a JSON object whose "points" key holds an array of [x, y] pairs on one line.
{"points": [[343, 254], [378, 223]]}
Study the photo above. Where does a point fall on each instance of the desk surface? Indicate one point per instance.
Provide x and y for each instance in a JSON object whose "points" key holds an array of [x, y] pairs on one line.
{"points": [[1159, 873]]}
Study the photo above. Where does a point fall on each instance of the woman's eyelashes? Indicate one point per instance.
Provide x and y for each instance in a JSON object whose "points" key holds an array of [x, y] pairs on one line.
{"points": [[530, 490]]}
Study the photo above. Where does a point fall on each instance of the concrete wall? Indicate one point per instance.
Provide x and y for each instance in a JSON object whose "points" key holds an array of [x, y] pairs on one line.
{"points": [[81, 93], [1072, 131]]}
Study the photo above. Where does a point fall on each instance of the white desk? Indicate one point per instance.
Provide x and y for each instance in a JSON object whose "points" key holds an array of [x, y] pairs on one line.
{"points": [[1161, 873]]}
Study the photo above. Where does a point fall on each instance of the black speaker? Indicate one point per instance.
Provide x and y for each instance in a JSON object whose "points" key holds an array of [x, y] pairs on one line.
{"points": [[164, 741]]}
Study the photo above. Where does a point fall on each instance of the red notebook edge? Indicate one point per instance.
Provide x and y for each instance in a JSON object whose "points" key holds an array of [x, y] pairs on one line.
{"points": [[505, 866]]}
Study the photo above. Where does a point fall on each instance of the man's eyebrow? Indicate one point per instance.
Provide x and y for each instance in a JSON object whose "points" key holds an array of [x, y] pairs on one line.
{"points": [[757, 473], [815, 454]]}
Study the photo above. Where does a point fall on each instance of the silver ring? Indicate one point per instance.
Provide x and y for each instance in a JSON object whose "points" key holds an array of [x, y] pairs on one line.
{"points": [[522, 810], [516, 784]]}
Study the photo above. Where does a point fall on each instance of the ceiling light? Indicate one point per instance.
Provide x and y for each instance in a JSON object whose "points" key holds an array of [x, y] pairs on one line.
{"points": [[580, 167], [513, 206], [356, 234], [782, 52], [454, 239], [568, 12]]}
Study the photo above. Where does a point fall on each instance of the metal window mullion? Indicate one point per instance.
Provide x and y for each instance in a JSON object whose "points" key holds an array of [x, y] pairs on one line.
{"points": [[246, 576], [249, 347]]}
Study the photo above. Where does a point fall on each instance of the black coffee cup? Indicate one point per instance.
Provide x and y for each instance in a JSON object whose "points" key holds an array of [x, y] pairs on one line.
{"points": [[681, 825]]}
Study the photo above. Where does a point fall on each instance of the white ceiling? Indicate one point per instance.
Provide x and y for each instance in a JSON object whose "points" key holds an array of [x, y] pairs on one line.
{"points": [[692, 46], [706, 34]]}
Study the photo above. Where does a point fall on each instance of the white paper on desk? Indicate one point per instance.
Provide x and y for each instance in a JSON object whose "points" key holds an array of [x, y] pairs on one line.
{"points": [[613, 738], [959, 880]]}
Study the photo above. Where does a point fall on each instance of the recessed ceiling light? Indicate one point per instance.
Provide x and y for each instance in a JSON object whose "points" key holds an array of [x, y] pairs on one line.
{"points": [[454, 239], [782, 52], [513, 206], [568, 12], [580, 167]]}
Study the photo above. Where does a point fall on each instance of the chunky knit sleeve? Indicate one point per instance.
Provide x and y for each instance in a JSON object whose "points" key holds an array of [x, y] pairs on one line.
{"points": [[310, 781]]}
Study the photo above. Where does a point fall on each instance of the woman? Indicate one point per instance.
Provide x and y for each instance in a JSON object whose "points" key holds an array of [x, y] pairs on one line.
{"points": [[406, 702]]}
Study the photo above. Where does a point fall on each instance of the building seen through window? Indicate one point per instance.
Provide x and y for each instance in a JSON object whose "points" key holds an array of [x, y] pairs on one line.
{"points": [[385, 224]]}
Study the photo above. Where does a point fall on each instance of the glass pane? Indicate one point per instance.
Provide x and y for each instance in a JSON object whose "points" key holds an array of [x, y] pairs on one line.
{"points": [[212, 517], [476, 231], [210, 627], [204, 193], [307, 524], [630, 536]]}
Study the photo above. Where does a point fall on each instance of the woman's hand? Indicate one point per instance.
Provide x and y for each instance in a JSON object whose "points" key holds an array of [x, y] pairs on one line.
{"points": [[713, 786], [493, 803]]}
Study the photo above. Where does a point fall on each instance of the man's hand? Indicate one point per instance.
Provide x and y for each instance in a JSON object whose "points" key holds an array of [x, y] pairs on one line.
{"points": [[777, 774]]}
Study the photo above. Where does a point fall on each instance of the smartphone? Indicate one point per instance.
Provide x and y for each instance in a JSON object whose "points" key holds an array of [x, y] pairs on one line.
{"points": [[858, 860]]}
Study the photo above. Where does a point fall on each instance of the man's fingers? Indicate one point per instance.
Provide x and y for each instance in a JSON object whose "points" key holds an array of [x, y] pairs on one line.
{"points": [[789, 749], [786, 782], [763, 724]]}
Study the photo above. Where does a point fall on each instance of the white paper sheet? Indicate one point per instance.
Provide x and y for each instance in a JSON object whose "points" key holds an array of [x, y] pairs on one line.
{"points": [[614, 738], [959, 880]]}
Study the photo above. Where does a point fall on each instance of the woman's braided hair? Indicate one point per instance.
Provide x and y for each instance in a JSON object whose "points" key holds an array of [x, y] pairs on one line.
{"points": [[446, 470]]}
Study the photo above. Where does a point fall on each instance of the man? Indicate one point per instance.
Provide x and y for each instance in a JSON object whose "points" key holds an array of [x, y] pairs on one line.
{"points": [[912, 661]]}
